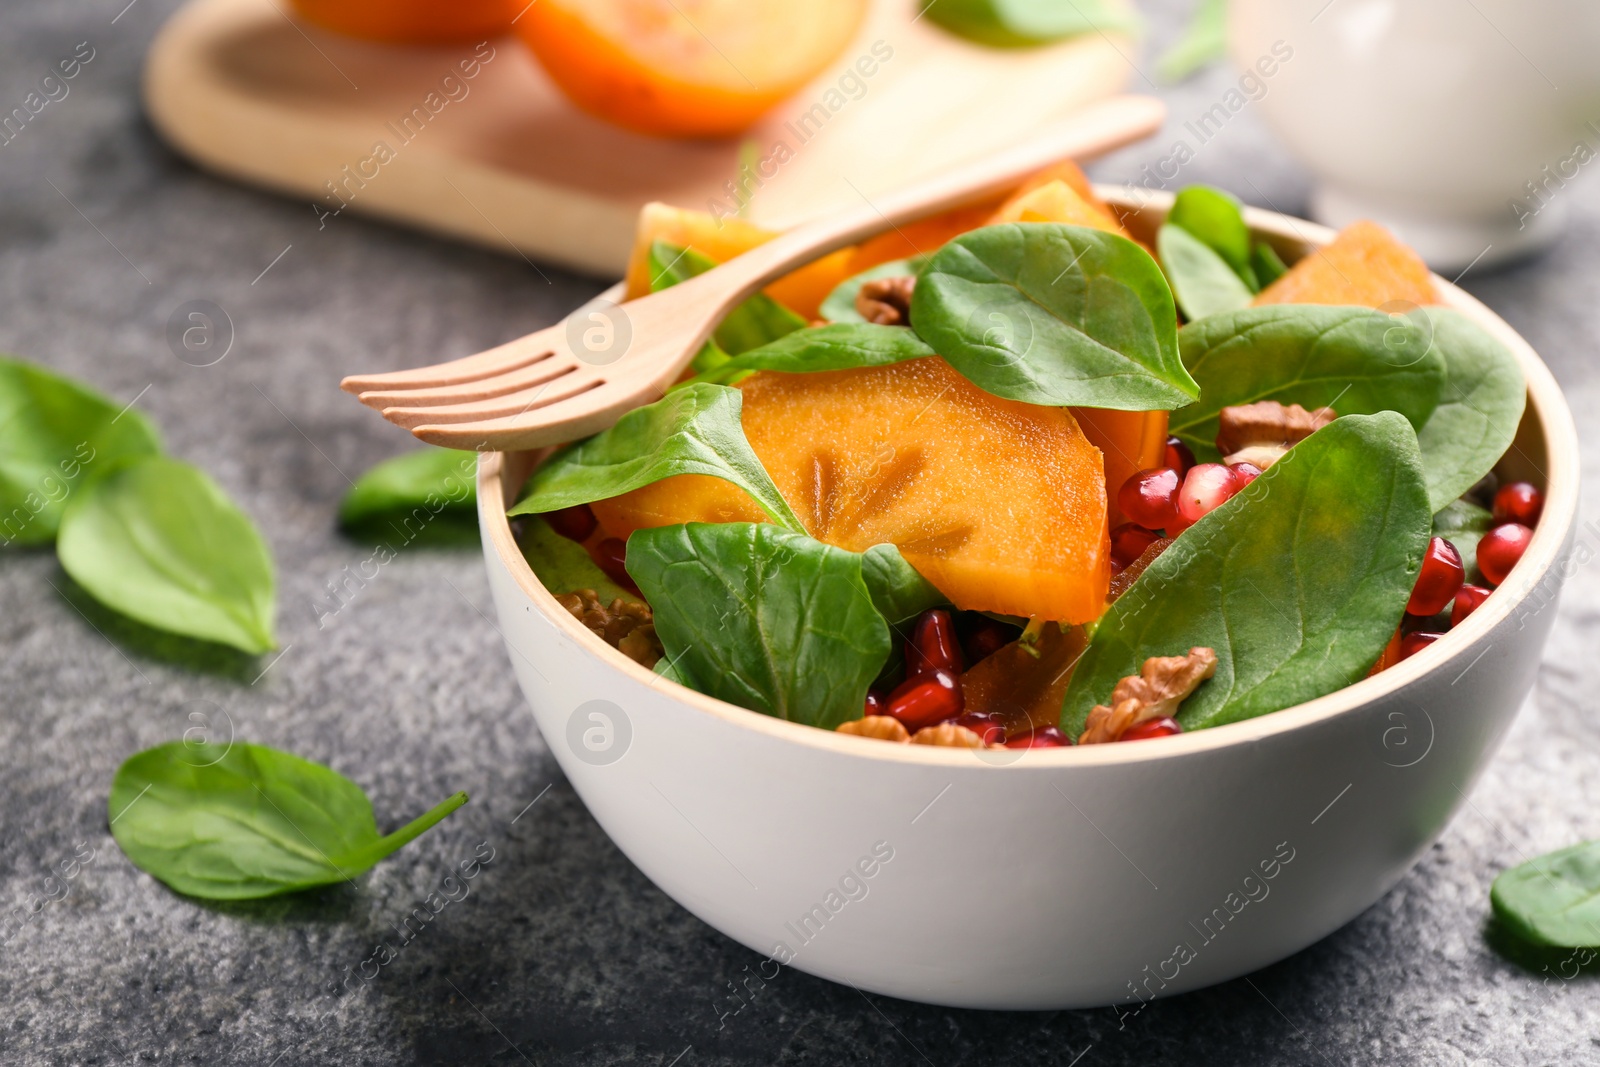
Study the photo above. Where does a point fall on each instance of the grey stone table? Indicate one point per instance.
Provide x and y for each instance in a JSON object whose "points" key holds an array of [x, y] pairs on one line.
{"points": [[563, 953]]}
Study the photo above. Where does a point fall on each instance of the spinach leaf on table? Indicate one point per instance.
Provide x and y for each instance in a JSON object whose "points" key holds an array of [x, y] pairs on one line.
{"points": [[836, 346], [1298, 582], [1021, 23], [1479, 409], [1356, 360], [1463, 524], [1204, 41], [1553, 899], [241, 821], [158, 541], [763, 618], [54, 435], [436, 481], [754, 322], [1202, 282], [840, 305], [690, 431], [1052, 314]]}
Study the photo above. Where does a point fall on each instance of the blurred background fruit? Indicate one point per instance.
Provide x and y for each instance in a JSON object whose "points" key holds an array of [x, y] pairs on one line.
{"points": [[411, 21], [690, 68]]}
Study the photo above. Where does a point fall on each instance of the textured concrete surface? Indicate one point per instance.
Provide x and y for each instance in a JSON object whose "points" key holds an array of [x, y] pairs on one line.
{"points": [[563, 953]]}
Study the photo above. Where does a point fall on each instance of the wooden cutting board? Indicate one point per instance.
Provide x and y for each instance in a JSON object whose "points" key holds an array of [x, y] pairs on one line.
{"points": [[500, 158]]}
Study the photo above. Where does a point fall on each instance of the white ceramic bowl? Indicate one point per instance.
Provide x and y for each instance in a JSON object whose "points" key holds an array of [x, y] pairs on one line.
{"points": [[1049, 878], [1457, 125]]}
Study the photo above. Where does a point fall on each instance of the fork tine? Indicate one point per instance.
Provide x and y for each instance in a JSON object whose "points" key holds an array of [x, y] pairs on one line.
{"points": [[545, 369], [581, 418], [506, 358], [509, 406]]}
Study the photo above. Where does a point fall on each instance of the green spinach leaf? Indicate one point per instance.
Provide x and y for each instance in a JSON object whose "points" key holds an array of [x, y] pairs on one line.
{"points": [[241, 821], [1216, 219], [1021, 23], [1554, 899], [1479, 409], [158, 541], [1204, 41], [1356, 360], [836, 346], [1267, 264], [437, 480], [562, 565], [55, 433], [840, 306], [689, 431], [1463, 524], [760, 617], [1052, 314], [1202, 281], [898, 591], [1297, 582], [756, 321]]}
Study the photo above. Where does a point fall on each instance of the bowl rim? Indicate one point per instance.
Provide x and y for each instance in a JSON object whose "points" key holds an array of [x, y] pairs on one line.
{"points": [[1546, 404]]}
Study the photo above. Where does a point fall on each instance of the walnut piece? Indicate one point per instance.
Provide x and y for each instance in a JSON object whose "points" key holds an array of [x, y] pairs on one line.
{"points": [[947, 735], [1260, 433], [1154, 693], [625, 625], [880, 727], [886, 301]]}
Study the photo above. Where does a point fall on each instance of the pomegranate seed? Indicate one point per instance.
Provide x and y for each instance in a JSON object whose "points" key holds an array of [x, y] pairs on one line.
{"points": [[985, 725], [981, 636], [933, 643], [1206, 487], [1150, 498], [1165, 726], [1500, 549], [611, 556], [1518, 502], [1128, 542], [575, 523], [1468, 600], [926, 699], [1243, 474], [1179, 458], [1044, 737], [1411, 644], [1441, 576], [877, 703]]}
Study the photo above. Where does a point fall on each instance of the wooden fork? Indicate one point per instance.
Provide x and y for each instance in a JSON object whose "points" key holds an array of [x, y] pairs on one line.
{"points": [[579, 376]]}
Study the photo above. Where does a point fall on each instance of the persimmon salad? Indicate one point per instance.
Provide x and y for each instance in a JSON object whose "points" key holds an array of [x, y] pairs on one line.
{"points": [[1009, 476]]}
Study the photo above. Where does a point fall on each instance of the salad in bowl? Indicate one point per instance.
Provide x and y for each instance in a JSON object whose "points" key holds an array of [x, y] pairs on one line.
{"points": [[1072, 599], [1012, 477]]}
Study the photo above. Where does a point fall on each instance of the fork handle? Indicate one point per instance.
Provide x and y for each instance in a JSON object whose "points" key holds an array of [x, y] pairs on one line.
{"points": [[1093, 130]]}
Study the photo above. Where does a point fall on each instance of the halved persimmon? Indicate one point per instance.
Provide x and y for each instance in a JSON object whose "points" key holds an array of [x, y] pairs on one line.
{"points": [[411, 21], [999, 504], [801, 291], [685, 68]]}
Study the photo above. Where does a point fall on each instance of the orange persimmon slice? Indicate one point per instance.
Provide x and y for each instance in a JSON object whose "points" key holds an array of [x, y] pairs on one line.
{"points": [[1364, 265], [685, 68], [1058, 201], [999, 504], [801, 291]]}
